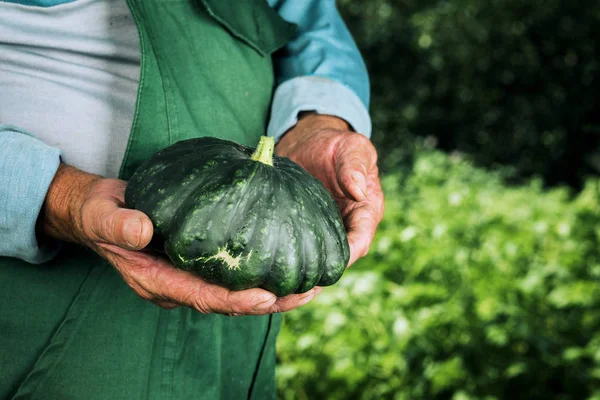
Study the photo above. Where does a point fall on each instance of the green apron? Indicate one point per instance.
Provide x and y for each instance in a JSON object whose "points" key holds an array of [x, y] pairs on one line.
{"points": [[71, 328]]}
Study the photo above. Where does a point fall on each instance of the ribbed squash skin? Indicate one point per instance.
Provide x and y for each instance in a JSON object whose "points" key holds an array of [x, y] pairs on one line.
{"points": [[238, 222]]}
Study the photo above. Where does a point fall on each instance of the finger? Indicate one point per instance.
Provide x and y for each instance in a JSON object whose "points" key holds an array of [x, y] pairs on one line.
{"points": [[292, 301], [361, 224], [104, 221], [353, 161], [154, 278], [209, 298], [184, 288]]}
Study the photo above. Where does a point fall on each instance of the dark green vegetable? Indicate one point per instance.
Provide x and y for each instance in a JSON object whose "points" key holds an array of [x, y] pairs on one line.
{"points": [[241, 218]]}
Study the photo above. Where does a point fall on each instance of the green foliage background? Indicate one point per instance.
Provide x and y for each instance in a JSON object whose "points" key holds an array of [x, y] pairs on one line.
{"points": [[511, 82], [472, 290], [482, 282]]}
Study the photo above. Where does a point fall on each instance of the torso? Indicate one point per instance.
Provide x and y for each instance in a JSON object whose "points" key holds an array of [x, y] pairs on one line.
{"points": [[69, 75]]}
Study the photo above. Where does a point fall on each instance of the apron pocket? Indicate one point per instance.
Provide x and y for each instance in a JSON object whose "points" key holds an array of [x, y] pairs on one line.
{"points": [[252, 21]]}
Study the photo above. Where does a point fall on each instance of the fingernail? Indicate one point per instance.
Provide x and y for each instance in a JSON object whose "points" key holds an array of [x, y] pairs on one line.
{"points": [[265, 304], [361, 183], [133, 232]]}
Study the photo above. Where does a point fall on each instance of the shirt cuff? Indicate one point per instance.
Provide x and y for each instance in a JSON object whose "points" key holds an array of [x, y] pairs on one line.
{"points": [[27, 167], [318, 94]]}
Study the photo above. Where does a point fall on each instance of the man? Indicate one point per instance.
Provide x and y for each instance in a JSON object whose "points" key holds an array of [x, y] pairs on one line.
{"points": [[90, 89]]}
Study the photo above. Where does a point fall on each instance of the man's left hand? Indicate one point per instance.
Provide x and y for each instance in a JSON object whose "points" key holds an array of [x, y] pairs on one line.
{"points": [[346, 163]]}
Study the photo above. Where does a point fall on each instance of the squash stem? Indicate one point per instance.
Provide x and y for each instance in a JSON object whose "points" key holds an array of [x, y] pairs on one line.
{"points": [[264, 150]]}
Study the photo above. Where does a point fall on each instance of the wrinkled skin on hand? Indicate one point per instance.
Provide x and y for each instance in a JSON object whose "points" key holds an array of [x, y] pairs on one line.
{"points": [[90, 210], [346, 163]]}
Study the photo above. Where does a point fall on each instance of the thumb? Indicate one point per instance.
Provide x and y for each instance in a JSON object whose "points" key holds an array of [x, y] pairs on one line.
{"points": [[108, 223]]}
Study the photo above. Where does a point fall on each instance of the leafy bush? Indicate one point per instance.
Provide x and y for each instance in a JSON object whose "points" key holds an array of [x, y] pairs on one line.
{"points": [[513, 82], [472, 290]]}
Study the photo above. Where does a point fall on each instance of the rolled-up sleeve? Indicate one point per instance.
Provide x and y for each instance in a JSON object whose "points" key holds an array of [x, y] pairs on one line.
{"points": [[320, 70], [27, 167]]}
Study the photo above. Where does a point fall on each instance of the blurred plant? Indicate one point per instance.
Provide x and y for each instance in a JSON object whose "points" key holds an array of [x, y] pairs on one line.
{"points": [[472, 290], [511, 82]]}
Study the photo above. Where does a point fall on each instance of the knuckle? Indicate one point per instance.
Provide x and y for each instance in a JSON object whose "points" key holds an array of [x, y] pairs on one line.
{"points": [[114, 228], [277, 309], [237, 307], [360, 140], [143, 294], [86, 222], [105, 232], [347, 180], [235, 314], [199, 304]]}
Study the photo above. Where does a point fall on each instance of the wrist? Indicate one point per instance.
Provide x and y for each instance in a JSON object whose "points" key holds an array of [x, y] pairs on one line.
{"points": [[309, 125], [322, 121], [60, 217]]}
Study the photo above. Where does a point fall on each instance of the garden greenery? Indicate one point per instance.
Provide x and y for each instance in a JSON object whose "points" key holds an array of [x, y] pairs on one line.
{"points": [[511, 82], [472, 290]]}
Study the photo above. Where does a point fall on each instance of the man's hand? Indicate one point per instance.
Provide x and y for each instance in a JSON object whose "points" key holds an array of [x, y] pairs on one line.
{"points": [[346, 163], [88, 209]]}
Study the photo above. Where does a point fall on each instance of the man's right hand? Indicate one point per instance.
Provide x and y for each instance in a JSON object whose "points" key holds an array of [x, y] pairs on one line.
{"points": [[90, 210]]}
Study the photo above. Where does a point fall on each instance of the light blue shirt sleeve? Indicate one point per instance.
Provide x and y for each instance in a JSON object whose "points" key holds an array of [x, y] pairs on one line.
{"points": [[27, 167], [320, 70]]}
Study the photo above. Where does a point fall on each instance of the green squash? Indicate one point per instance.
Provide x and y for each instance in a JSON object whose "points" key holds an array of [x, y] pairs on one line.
{"points": [[241, 218]]}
